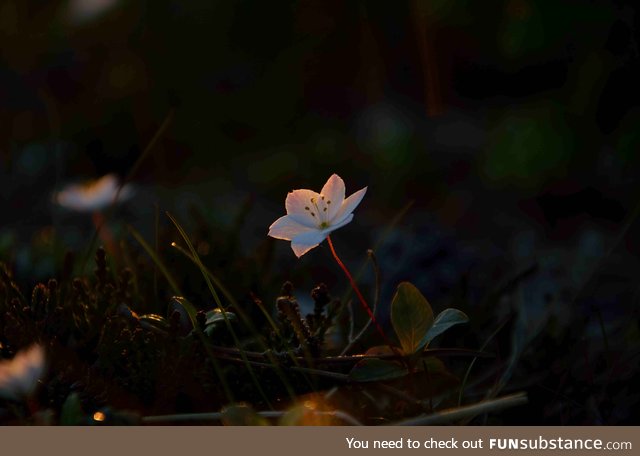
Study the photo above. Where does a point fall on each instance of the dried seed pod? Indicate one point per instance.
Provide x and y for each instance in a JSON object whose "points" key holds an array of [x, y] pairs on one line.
{"points": [[321, 298], [101, 267], [39, 298], [291, 310], [52, 295], [287, 289], [10, 285]]}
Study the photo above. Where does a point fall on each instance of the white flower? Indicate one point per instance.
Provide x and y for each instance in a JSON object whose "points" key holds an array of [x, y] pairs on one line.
{"points": [[94, 195], [19, 376], [82, 11], [312, 216]]}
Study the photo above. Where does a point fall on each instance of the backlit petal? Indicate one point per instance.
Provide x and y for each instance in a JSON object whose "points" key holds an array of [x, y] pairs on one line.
{"points": [[304, 242], [342, 223], [333, 192], [82, 11], [286, 228], [19, 376], [93, 195], [348, 206], [301, 207]]}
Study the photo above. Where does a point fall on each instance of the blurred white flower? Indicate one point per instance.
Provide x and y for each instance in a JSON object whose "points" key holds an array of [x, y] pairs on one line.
{"points": [[81, 11], [312, 216], [93, 195], [19, 376]]}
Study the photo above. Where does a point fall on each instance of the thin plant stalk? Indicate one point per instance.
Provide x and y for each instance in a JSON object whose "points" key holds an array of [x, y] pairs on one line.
{"points": [[376, 298], [218, 302], [363, 301], [190, 311], [110, 210], [469, 411], [219, 416], [227, 294], [473, 361]]}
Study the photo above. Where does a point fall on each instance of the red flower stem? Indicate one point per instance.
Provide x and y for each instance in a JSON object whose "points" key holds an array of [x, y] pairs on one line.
{"points": [[360, 297], [104, 233]]}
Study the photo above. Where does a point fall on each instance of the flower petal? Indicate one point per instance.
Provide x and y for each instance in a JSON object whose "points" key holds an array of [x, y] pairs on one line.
{"points": [[342, 223], [304, 242], [348, 206], [70, 198], [286, 228], [301, 207], [333, 192], [93, 195], [19, 376]]}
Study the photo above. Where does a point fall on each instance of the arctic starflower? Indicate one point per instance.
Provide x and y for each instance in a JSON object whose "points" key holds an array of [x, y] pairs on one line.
{"points": [[19, 376], [312, 216], [93, 195]]}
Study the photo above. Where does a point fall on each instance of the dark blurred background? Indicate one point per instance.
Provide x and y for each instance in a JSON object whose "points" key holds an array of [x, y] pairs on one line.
{"points": [[499, 141]]}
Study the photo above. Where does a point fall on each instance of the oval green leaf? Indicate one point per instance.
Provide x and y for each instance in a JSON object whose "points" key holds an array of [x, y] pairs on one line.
{"points": [[215, 316], [372, 370], [411, 316], [71, 414], [445, 320]]}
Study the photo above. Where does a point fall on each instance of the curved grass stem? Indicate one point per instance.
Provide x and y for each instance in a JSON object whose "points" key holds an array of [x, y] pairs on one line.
{"points": [[376, 270], [238, 309], [466, 412], [191, 310], [218, 302], [363, 301]]}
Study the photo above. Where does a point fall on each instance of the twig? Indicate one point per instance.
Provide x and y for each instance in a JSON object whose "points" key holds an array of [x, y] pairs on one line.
{"points": [[218, 416], [469, 411], [349, 359]]}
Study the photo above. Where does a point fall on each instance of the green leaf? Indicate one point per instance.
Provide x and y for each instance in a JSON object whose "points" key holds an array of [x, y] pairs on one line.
{"points": [[71, 414], [411, 316], [445, 320], [215, 316], [433, 365], [242, 415], [372, 370]]}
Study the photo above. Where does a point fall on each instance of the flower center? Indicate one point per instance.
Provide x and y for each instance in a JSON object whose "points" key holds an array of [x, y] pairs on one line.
{"points": [[318, 210], [89, 187]]}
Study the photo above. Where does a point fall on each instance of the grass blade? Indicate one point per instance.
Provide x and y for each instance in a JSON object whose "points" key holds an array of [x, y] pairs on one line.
{"points": [[218, 302], [188, 306]]}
